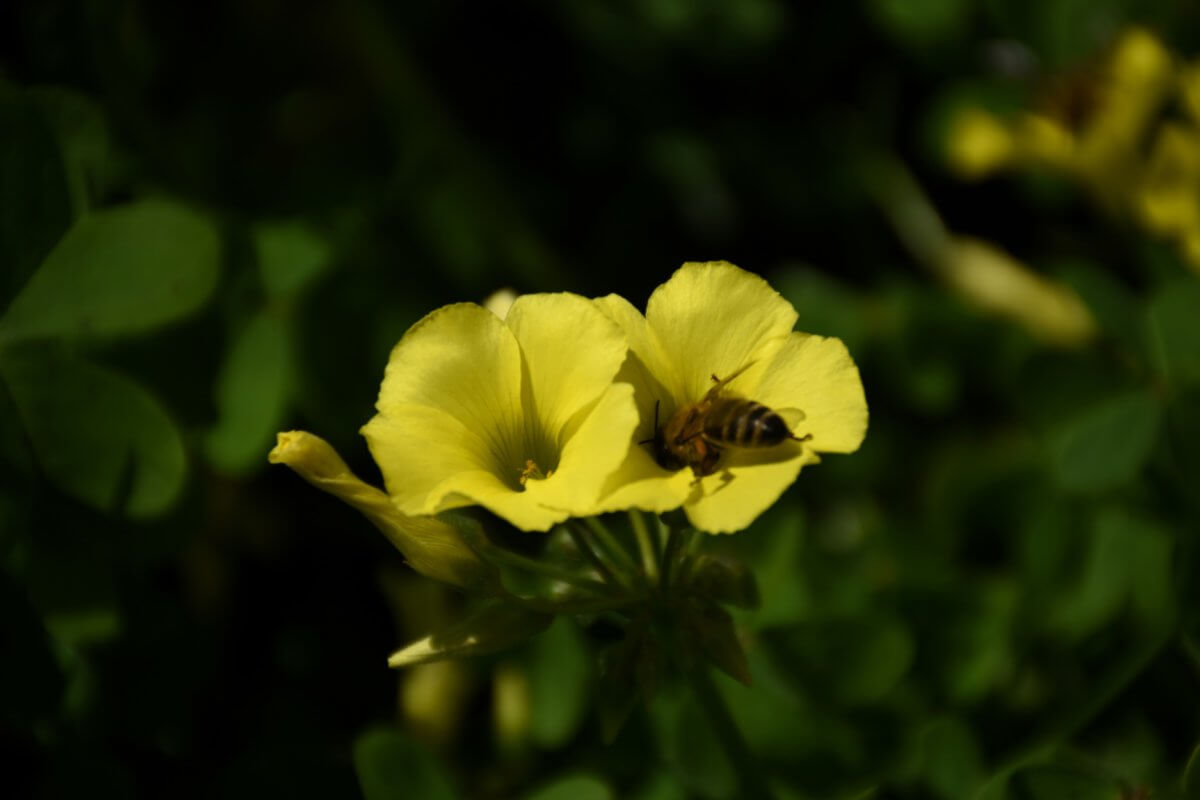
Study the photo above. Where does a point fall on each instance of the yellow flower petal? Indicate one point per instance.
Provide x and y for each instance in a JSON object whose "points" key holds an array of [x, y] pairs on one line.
{"points": [[429, 459], [431, 546], [816, 375], [590, 455], [733, 497], [713, 318], [571, 352], [463, 360], [651, 369]]}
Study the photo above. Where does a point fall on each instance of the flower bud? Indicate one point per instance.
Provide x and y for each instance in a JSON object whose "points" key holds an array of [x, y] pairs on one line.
{"points": [[431, 546]]}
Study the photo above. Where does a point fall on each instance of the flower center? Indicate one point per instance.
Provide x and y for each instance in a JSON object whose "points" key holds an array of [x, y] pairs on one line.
{"points": [[533, 472]]}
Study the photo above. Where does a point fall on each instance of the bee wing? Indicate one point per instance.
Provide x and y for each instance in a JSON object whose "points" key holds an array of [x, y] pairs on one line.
{"points": [[791, 417]]}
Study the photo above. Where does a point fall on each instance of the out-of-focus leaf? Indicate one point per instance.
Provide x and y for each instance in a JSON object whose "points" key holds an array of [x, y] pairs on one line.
{"points": [[1113, 305], [782, 583], [252, 391], [290, 256], [630, 670], [825, 306], [856, 660], [1175, 330], [724, 580], [1061, 783], [980, 653], [97, 435], [920, 22], [953, 764], [1128, 556], [84, 627], [660, 787], [391, 765], [119, 271], [710, 628], [558, 682], [1103, 582], [495, 626], [1106, 445], [79, 125], [689, 746], [576, 787], [35, 204]]}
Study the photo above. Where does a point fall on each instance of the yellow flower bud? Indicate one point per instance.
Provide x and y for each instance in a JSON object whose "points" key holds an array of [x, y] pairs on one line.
{"points": [[994, 280], [433, 547]]}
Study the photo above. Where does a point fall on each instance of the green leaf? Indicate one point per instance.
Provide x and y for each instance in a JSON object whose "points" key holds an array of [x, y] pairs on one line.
{"points": [[660, 786], [290, 256], [494, 626], [1103, 582], [920, 23], [559, 676], [391, 765], [689, 745], [953, 764], [252, 392], [724, 580], [1111, 303], [117, 272], [1106, 445], [856, 660], [710, 629], [98, 436], [577, 787], [1061, 783], [1174, 331], [81, 129], [629, 670]]}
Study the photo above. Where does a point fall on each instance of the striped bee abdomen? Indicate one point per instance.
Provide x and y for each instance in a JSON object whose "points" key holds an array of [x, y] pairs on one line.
{"points": [[739, 422]]}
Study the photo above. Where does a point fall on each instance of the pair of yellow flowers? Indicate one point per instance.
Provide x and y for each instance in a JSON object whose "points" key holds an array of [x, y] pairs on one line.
{"points": [[538, 416]]}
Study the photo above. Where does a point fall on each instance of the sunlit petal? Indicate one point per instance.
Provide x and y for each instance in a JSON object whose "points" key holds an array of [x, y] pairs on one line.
{"points": [[816, 375], [713, 318]]}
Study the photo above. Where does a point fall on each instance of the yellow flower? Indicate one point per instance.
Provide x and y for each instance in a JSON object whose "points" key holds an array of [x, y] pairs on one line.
{"points": [[979, 143], [519, 415], [431, 546], [1170, 188], [715, 319]]}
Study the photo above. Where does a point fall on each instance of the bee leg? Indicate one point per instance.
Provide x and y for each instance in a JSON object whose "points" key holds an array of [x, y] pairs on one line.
{"points": [[806, 437], [655, 436]]}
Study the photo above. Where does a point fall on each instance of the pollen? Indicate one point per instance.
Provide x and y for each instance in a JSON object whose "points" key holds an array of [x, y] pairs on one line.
{"points": [[532, 471]]}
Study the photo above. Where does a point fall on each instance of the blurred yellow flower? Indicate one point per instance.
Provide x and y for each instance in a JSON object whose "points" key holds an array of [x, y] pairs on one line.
{"points": [[431, 546], [716, 319], [1169, 195], [519, 415], [980, 143], [992, 279], [1094, 129]]}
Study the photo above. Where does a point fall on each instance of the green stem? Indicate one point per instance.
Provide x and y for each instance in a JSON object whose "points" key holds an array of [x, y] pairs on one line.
{"points": [[674, 539], [581, 542], [645, 544], [615, 550], [499, 555], [749, 775]]}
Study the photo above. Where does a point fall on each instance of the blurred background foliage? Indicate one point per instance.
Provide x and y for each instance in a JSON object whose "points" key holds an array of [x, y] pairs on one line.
{"points": [[215, 220]]}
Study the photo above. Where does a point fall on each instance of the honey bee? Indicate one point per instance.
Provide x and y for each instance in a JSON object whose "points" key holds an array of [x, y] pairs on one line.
{"points": [[696, 434]]}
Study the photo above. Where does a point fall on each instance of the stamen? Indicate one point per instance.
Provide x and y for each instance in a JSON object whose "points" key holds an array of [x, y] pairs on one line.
{"points": [[532, 471]]}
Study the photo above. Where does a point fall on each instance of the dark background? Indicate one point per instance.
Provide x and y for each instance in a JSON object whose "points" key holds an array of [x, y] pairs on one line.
{"points": [[961, 609]]}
